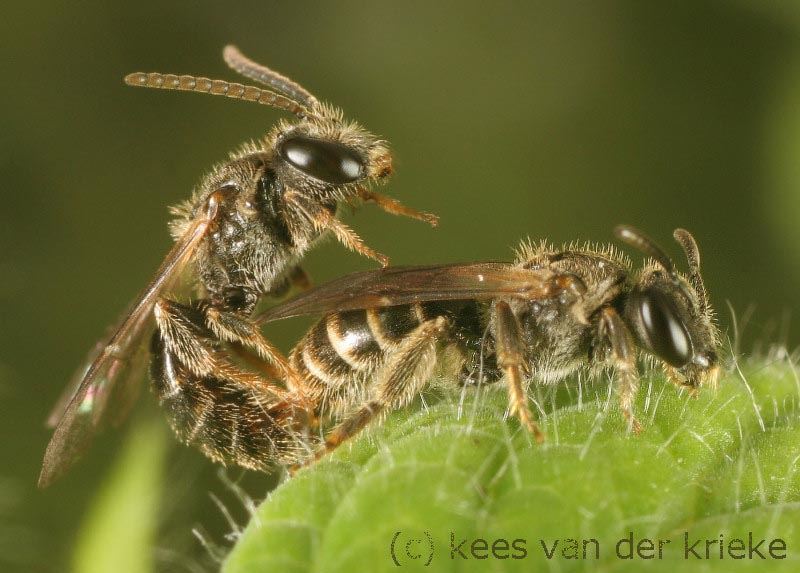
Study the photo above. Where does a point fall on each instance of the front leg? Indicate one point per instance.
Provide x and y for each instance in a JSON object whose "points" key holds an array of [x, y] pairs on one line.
{"points": [[395, 207], [616, 334], [323, 220]]}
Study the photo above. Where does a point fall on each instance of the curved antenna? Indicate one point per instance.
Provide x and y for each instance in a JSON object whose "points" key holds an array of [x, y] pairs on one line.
{"points": [[692, 251], [263, 75], [215, 87], [637, 239], [689, 245]]}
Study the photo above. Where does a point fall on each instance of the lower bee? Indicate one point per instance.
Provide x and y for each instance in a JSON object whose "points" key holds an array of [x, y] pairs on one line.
{"points": [[240, 238], [551, 313]]}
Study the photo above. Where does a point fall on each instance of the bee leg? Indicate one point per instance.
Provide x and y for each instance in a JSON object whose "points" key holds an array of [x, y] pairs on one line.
{"points": [[509, 349], [189, 334], [480, 370], [296, 278], [299, 278], [255, 362], [235, 328], [324, 220], [233, 416], [183, 333], [623, 351], [399, 380], [395, 207]]}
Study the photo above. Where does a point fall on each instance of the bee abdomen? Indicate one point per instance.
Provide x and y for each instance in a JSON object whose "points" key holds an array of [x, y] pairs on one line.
{"points": [[391, 325], [247, 424], [343, 349], [350, 335]]}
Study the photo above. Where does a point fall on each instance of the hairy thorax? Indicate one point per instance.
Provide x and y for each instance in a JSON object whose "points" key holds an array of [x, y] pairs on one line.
{"points": [[560, 333], [256, 239]]}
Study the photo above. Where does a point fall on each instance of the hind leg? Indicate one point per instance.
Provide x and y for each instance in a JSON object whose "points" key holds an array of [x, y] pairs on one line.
{"points": [[399, 380], [235, 328]]}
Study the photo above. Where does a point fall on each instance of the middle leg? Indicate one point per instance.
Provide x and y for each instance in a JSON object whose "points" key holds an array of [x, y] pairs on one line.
{"points": [[623, 353], [508, 342]]}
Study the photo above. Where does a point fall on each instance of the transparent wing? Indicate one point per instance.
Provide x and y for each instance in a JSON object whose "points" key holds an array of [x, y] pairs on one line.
{"points": [[403, 285], [114, 367]]}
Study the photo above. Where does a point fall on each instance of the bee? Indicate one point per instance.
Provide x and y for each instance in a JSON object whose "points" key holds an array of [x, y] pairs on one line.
{"points": [[550, 314], [240, 236]]}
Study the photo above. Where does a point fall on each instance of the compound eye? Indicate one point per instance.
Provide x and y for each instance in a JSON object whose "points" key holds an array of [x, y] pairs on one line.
{"points": [[666, 334], [327, 161]]}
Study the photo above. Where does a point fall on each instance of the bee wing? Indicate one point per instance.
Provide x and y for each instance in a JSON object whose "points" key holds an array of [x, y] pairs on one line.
{"points": [[113, 366], [403, 285]]}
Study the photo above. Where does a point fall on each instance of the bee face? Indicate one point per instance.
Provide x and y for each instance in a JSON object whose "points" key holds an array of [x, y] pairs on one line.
{"points": [[671, 319]]}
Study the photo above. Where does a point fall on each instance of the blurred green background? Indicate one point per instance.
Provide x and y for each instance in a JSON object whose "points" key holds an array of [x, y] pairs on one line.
{"points": [[548, 119]]}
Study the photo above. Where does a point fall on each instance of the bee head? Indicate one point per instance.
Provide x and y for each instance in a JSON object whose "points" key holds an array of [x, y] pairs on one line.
{"points": [[670, 314]]}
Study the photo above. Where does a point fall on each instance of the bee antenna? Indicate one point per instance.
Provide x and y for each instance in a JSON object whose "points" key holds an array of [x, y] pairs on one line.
{"points": [[690, 248], [263, 75], [637, 239], [216, 87]]}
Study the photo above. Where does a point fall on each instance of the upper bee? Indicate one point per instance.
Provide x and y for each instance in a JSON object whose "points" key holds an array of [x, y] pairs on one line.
{"points": [[241, 235]]}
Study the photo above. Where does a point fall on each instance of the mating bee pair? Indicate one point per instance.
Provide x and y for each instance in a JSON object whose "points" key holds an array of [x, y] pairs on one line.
{"points": [[226, 389]]}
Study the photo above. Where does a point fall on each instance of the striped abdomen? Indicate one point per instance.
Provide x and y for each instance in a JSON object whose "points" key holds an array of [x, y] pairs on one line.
{"points": [[232, 416], [339, 355]]}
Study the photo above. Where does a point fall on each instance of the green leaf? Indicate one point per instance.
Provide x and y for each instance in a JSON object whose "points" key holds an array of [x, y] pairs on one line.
{"points": [[727, 462], [119, 532]]}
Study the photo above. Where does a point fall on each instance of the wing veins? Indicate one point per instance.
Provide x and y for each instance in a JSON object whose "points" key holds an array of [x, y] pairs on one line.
{"points": [[66, 444], [403, 285]]}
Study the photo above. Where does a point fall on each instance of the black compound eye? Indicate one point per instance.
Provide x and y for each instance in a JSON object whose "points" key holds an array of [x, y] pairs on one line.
{"points": [[666, 334], [327, 161]]}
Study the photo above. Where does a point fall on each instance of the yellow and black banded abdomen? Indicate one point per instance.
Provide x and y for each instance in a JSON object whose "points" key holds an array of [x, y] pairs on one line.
{"points": [[340, 353]]}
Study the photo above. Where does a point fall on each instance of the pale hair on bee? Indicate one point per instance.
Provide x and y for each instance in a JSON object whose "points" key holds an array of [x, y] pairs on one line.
{"points": [[241, 237]]}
